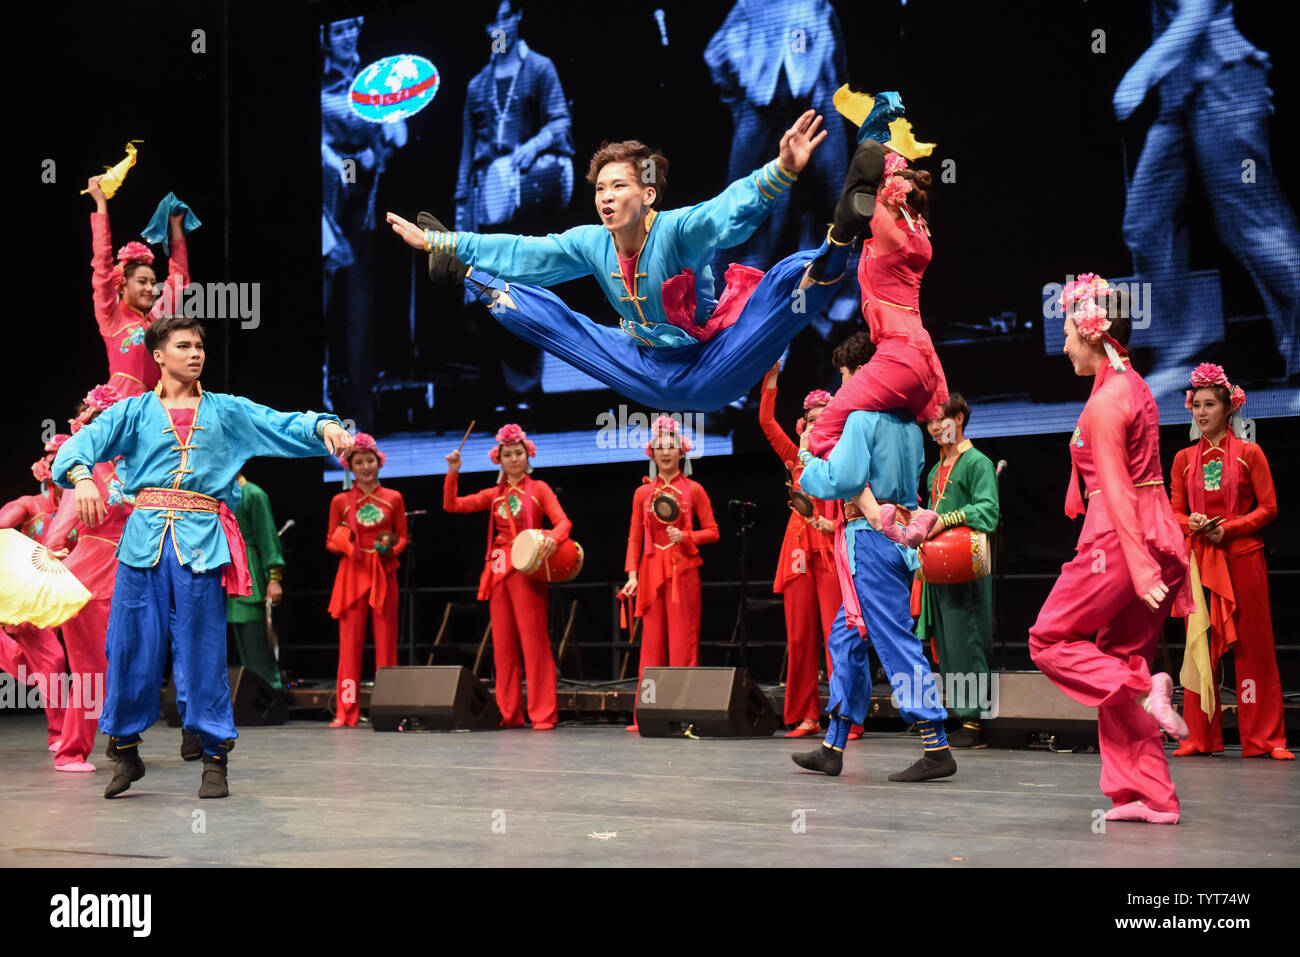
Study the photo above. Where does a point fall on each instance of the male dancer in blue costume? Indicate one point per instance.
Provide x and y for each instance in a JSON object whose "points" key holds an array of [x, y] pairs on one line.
{"points": [[885, 451], [686, 350], [185, 448]]}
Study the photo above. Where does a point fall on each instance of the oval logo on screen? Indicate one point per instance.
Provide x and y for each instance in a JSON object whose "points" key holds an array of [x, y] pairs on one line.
{"points": [[394, 88]]}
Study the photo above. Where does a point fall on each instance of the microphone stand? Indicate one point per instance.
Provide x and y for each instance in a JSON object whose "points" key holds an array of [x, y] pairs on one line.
{"points": [[739, 636], [407, 573]]}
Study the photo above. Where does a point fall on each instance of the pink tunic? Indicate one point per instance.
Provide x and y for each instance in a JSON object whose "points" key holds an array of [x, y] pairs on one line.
{"points": [[132, 370], [31, 514], [1116, 450]]}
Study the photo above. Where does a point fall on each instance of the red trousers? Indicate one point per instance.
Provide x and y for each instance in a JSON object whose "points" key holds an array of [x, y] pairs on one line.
{"points": [[897, 376], [39, 651], [84, 634], [1259, 689], [811, 601], [521, 634], [670, 630], [1094, 596], [352, 640]]}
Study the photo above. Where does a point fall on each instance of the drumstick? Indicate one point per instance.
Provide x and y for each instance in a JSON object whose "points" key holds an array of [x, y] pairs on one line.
{"points": [[467, 432]]}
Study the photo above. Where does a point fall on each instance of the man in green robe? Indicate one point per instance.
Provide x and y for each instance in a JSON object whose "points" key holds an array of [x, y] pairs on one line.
{"points": [[963, 491], [247, 614]]}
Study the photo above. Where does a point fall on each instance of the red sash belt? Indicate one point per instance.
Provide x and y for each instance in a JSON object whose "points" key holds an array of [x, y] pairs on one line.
{"points": [[234, 577]]}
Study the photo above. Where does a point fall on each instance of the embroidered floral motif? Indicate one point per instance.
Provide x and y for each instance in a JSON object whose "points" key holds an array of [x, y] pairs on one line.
{"points": [[1077, 438], [516, 506], [370, 514], [1213, 475], [135, 338], [36, 527], [116, 492]]}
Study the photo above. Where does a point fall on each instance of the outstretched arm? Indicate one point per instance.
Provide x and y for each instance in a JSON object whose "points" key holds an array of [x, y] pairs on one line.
{"points": [[540, 260], [731, 217], [101, 261], [785, 450]]}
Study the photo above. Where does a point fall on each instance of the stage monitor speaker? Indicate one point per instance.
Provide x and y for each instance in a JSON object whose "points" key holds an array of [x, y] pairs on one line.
{"points": [[432, 698], [1027, 702], [254, 702], [711, 702]]}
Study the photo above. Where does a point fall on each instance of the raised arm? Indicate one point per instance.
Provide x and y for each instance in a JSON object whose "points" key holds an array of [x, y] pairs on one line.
{"points": [[1261, 480], [477, 502], [178, 270], [103, 287], [731, 217], [785, 450]]}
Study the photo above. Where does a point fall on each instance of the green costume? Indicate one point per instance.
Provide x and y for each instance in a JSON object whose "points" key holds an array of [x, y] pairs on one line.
{"points": [[960, 617], [246, 614]]}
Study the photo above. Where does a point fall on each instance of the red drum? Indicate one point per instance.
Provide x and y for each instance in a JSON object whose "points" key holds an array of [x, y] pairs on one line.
{"points": [[562, 566], [955, 556]]}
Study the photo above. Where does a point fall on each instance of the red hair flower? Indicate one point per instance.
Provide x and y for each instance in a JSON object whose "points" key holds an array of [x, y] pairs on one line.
{"points": [[666, 426], [894, 190], [364, 442], [815, 398]]}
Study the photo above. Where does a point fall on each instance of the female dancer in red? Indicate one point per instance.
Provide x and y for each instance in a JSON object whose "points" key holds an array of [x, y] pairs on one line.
{"points": [[93, 559], [518, 604], [1223, 496], [368, 531], [663, 557], [125, 298], [36, 651], [1130, 570], [805, 575], [905, 372]]}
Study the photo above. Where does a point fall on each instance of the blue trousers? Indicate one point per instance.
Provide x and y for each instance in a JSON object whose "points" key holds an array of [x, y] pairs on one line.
{"points": [[703, 377], [150, 607], [882, 579]]}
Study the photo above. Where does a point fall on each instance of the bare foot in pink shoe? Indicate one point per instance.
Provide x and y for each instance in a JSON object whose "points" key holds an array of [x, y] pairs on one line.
{"points": [[1137, 811], [1159, 704]]}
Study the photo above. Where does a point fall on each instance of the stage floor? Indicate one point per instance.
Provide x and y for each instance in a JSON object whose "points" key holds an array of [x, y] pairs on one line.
{"points": [[305, 795]]}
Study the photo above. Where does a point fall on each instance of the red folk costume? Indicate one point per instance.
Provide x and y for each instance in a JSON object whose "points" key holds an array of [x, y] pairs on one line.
{"points": [[37, 650], [805, 574], [1232, 481], [668, 577], [365, 586], [93, 560], [905, 372], [1129, 542], [518, 604], [132, 370]]}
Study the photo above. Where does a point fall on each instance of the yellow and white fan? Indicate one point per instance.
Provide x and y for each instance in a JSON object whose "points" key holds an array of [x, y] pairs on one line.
{"points": [[35, 587]]}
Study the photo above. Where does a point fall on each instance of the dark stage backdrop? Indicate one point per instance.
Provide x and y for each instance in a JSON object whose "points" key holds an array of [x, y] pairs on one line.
{"points": [[1012, 93]]}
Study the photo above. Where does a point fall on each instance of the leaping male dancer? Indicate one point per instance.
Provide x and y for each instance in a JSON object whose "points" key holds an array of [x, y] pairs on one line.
{"points": [[676, 346]]}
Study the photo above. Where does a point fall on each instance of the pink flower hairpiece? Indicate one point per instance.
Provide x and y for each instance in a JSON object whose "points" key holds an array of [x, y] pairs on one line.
{"points": [[894, 190], [1207, 375], [53, 445], [893, 163], [510, 434], [41, 469], [363, 442], [98, 399], [131, 252], [815, 398], [1090, 317], [666, 426]]}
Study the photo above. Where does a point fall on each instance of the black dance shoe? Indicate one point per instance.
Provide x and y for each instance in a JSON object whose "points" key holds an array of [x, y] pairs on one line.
{"points": [[858, 199], [191, 746], [933, 764], [824, 760], [214, 777], [443, 266], [127, 767], [967, 738]]}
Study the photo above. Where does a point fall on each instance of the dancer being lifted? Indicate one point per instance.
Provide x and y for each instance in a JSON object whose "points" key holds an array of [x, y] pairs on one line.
{"points": [[676, 346]]}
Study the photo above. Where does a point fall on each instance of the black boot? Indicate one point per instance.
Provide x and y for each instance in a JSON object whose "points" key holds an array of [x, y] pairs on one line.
{"points": [[969, 737], [858, 199], [443, 266], [933, 764], [127, 767], [824, 759], [191, 746], [214, 776]]}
